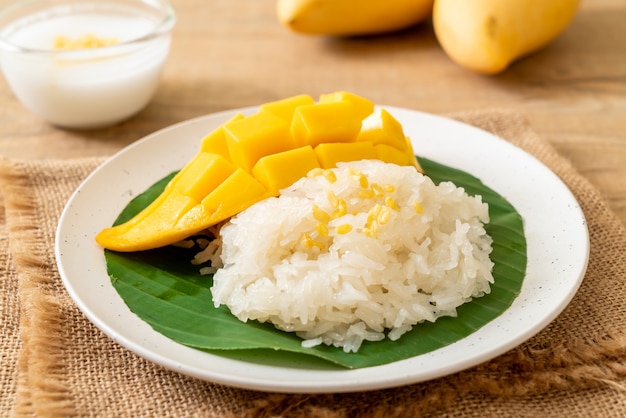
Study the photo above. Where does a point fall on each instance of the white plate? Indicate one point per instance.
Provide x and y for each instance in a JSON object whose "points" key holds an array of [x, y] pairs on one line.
{"points": [[556, 234]]}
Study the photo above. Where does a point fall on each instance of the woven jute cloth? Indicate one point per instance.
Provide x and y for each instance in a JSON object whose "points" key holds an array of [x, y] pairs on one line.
{"points": [[56, 363]]}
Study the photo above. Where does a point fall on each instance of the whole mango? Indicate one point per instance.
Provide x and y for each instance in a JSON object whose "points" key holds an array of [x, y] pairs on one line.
{"points": [[352, 17], [488, 35]]}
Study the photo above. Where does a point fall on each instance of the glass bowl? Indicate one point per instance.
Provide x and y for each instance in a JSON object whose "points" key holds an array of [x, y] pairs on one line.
{"points": [[85, 64]]}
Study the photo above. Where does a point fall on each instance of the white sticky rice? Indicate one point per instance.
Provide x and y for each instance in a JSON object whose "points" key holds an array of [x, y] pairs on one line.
{"points": [[355, 253]]}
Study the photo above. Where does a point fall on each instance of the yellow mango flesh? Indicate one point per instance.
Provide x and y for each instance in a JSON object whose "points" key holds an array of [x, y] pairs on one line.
{"points": [[215, 141], [278, 171], [239, 191], [284, 108], [250, 158], [392, 155], [332, 153], [382, 128], [409, 152], [205, 173], [256, 136], [155, 226], [362, 106], [326, 122], [172, 186], [160, 227]]}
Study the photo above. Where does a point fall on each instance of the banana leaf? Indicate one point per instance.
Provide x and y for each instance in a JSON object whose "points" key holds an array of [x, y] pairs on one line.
{"points": [[164, 289]]}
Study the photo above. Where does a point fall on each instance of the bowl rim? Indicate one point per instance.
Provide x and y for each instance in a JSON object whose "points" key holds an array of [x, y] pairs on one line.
{"points": [[164, 26]]}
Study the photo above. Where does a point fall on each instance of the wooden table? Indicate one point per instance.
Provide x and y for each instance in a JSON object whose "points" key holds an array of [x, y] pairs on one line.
{"points": [[233, 53]]}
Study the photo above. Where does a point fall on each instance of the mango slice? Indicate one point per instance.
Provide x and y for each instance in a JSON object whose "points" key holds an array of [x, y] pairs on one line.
{"points": [[239, 191], [156, 225], [284, 108], [278, 171], [250, 158], [332, 153], [382, 128], [362, 106], [215, 141], [256, 136], [392, 155], [409, 151], [325, 122], [205, 172], [160, 227]]}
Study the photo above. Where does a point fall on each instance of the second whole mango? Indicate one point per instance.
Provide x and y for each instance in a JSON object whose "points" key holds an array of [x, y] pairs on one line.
{"points": [[487, 36]]}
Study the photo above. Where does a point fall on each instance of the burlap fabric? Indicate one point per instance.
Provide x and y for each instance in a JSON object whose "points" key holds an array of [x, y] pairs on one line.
{"points": [[56, 363]]}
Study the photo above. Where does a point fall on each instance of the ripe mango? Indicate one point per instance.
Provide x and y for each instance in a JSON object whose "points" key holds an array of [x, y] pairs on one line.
{"points": [[166, 220], [351, 17], [325, 122], [250, 158], [215, 141], [277, 171], [330, 154], [256, 136], [488, 35], [284, 108], [362, 107]]}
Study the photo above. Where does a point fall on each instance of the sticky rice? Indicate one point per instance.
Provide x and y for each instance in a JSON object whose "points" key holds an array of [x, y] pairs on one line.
{"points": [[358, 253]]}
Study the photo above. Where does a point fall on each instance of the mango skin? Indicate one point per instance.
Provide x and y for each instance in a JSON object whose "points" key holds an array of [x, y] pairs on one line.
{"points": [[351, 17], [487, 36]]}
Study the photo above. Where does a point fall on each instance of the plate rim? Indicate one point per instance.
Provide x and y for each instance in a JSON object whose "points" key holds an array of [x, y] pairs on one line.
{"points": [[343, 380]]}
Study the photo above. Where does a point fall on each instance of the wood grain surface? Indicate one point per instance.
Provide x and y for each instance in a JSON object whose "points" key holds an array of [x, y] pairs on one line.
{"points": [[233, 53]]}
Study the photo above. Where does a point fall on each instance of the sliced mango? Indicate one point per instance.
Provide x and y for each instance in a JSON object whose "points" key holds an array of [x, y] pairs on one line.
{"points": [[250, 158], [392, 155], [160, 227], [411, 154], [332, 153], [278, 171], [172, 186], [326, 122], [256, 136], [155, 226], [205, 172], [362, 106], [284, 108], [239, 191], [382, 128], [215, 141]]}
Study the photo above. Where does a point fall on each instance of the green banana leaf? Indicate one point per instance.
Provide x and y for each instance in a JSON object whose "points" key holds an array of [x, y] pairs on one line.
{"points": [[164, 289]]}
